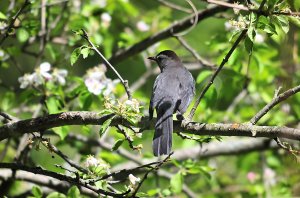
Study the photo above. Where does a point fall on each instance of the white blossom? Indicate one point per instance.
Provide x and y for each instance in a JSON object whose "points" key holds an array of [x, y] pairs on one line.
{"points": [[269, 176], [94, 86], [134, 104], [59, 75], [44, 69], [110, 86], [259, 38], [1, 53], [106, 19], [133, 181], [97, 82], [91, 161], [142, 26], [25, 81]]}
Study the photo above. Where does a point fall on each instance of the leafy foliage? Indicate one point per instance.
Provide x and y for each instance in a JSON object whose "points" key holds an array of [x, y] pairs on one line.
{"points": [[37, 78]]}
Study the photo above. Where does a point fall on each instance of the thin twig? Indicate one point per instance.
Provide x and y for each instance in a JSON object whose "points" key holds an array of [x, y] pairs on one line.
{"points": [[244, 8], [149, 171], [127, 137], [25, 4], [281, 97], [165, 33], [195, 20], [286, 147], [52, 148], [107, 63], [74, 181], [175, 6], [123, 172], [236, 43], [6, 116], [194, 53]]}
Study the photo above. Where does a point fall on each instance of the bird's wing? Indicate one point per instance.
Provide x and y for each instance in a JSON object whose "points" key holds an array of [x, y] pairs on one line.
{"points": [[186, 90]]}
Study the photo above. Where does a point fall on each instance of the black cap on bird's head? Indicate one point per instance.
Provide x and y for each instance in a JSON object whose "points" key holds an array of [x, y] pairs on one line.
{"points": [[166, 58]]}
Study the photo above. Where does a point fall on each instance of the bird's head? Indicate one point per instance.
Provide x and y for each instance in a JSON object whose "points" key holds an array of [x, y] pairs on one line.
{"points": [[166, 58]]}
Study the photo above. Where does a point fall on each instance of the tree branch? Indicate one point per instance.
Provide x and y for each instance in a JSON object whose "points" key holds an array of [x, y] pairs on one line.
{"points": [[244, 8], [164, 34], [285, 95], [18, 128], [11, 24], [40, 171]]}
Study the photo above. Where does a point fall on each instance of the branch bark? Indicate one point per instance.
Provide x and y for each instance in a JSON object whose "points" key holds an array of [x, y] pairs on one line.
{"points": [[18, 128]]}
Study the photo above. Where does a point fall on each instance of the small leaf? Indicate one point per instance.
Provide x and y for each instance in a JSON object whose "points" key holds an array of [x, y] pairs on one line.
{"points": [[62, 132], [176, 182], [52, 105], [105, 125], [251, 33], [75, 55], [283, 23], [203, 75], [248, 45], [85, 52], [117, 144], [73, 192], [22, 35], [2, 16], [56, 195], [37, 192]]}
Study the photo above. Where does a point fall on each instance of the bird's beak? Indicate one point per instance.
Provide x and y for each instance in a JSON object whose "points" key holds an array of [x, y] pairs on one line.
{"points": [[152, 58]]}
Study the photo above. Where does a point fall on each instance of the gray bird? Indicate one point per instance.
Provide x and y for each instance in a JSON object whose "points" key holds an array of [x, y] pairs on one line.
{"points": [[173, 91]]}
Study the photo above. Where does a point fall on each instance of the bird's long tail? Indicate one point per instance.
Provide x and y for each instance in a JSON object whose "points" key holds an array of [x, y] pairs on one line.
{"points": [[162, 140]]}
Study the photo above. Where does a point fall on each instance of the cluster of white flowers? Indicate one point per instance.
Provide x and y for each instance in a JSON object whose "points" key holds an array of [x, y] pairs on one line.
{"points": [[133, 104], [98, 165], [43, 74], [235, 25], [97, 82]]}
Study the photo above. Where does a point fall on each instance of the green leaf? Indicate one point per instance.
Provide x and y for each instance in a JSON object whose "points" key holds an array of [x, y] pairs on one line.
{"points": [[62, 132], [283, 23], [56, 195], [2, 16], [203, 75], [37, 192], [75, 55], [248, 44], [22, 35], [176, 182], [105, 125], [117, 144], [251, 33], [73, 192], [86, 100], [85, 52], [52, 105]]}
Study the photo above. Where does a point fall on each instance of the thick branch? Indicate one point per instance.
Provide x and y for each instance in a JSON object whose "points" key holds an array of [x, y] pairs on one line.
{"points": [[92, 118], [164, 34]]}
